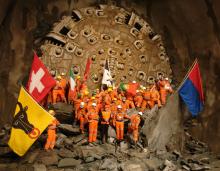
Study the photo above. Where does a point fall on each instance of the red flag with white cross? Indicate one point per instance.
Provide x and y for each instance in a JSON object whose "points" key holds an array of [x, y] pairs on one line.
{"points": [[40, 81]]}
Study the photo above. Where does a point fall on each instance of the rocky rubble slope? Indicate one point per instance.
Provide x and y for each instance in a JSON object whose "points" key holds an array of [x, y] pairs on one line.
{"points": [[72, 152]]}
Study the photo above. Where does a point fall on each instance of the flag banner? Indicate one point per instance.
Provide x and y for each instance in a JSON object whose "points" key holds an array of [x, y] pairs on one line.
{"points": [[106, 79], [130, 88], [72, 81], [191, 90], [40, 81], [30, 120], [87, 70]]}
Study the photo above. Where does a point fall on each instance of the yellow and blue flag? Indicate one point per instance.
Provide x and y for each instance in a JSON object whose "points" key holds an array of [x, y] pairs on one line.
{"points": [[30, 120]]}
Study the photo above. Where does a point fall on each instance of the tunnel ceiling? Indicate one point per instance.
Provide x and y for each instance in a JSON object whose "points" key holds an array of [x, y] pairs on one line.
{"points": [[103, 32]]}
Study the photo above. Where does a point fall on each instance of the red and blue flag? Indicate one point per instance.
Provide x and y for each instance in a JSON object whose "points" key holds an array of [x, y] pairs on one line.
{"points": [[191, 90]]}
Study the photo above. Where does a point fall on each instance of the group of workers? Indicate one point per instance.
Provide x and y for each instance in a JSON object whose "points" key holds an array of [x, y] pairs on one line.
{"points": [[107, 107]]}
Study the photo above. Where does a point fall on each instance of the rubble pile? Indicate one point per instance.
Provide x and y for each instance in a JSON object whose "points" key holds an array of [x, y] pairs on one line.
{"points": [[72, 153]]}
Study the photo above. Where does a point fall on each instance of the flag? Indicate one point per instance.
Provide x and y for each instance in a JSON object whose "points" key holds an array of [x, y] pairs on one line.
{"points": [[130, 88], [191, 90], [40, 81], [30, 120], [106, 79], [88, 65], [72, 81]]}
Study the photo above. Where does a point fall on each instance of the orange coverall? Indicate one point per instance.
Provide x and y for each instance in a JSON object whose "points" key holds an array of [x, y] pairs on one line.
{"points": [[165, 87], [58, 90], [155, 98], [146, 100], [113, 110], [114, 94], [138, 99], [105, 124], [51, 132], [93, 118], [82, 114], [107, 100], [119, 117], [76, 107], [133, 126]]}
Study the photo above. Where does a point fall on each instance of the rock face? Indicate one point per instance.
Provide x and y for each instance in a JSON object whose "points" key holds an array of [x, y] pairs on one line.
{"points": [[163, 127], [189, 29]]}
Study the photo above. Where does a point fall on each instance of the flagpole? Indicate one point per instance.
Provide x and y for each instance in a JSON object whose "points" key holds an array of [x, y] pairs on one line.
{"points": [[192, 66]]}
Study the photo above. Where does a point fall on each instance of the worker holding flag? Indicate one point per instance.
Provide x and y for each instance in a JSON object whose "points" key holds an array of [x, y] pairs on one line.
{"points": [[30, 120]]}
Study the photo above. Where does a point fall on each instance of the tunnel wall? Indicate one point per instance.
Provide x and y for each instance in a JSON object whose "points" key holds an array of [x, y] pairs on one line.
{"points": [[189, 28]]}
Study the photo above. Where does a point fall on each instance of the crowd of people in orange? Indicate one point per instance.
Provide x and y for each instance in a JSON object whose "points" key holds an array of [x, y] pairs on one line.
{"points": [[109, 106]]}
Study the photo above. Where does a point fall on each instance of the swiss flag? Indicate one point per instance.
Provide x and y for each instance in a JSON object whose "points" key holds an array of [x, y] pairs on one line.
{"points": [[40, 81]]}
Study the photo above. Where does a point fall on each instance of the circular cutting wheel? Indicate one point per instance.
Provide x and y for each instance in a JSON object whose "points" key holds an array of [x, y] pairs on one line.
{"points": [[130, 45]]}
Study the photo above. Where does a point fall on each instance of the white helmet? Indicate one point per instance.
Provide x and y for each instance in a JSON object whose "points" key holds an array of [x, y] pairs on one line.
{"points": [[133, 81], [82, 104], [119, 107], [140, 113], [167, 78], [93, 104]]}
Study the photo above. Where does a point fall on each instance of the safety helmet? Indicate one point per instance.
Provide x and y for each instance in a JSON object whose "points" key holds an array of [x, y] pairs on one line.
{"points": [[109, 89], [119, 107], [140, 113], [137, 91], [134, 81], [94, 104], [144, 88], [52, 112], [86, 92], [59, 77], [93, 98], [78, 77], [114, 99], [63, 74], [167, 78], [82, 104]]}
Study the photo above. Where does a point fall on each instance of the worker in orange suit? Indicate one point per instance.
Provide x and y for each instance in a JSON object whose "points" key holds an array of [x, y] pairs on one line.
{"points": [[76, 108], [82, 114], [85, 96], [63, 81], [164, 88], [90, 102], [78, 83], [105, 118], [134, 125], [113, 110], [146, 98], [114, 93], [51, 133], [58, 90], [107, 99], [129, 102], [93, 119], [154, 97], [138, 99], [119, 123], [123, 105]]}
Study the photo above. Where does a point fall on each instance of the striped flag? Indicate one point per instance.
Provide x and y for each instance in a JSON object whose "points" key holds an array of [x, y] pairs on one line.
{"points": [[72, 81], [191, 90]]}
